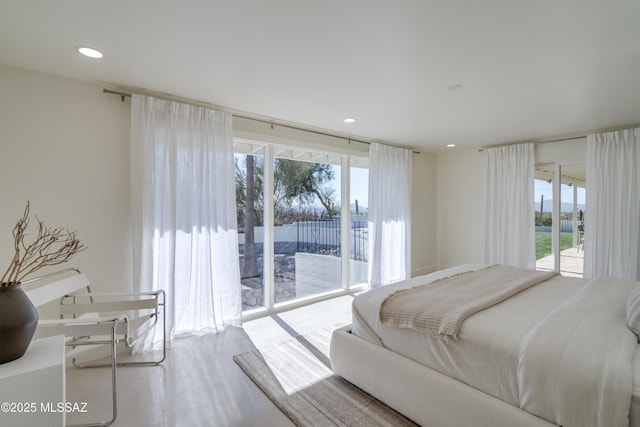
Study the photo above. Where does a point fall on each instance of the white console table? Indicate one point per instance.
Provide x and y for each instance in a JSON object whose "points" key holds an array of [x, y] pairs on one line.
{"points": [[32, 386]]}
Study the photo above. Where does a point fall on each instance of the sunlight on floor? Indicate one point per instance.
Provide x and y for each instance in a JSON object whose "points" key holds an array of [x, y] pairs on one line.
{"points": [[272, 329], [288, 359]]}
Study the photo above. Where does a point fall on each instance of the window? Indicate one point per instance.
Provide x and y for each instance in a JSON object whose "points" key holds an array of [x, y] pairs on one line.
{"points": [[302, 221], [560, 206], [249, 182], [358, 208]]}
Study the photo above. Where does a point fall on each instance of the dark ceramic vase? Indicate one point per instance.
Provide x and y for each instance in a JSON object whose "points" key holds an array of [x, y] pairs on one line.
{"points": [[18, 321]]}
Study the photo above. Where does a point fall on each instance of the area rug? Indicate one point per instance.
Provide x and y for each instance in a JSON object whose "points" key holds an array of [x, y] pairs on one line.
{"points": [[296, 375]]}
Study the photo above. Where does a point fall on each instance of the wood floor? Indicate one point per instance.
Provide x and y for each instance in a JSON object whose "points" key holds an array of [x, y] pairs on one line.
{"points": [[199, 384]]}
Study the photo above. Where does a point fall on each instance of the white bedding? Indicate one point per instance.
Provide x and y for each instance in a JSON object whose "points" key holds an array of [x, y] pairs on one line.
{"points": [[486, 355], [575, 364]]}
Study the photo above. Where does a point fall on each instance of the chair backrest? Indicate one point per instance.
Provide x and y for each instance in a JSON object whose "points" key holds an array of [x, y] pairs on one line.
{"points": [[54, 286]]}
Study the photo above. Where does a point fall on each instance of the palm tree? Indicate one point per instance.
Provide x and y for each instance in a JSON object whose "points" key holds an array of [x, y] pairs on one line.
{"points": [[249, 264]]}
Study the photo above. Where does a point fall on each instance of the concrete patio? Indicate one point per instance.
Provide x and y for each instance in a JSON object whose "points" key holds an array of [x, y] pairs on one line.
{"points": [[571, 262]]}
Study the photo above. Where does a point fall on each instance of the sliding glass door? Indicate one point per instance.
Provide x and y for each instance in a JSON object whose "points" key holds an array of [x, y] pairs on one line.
{"points": [[358, 220], [307, 232], [249, 182], [560, 206], [572, 211], [302, 222]]}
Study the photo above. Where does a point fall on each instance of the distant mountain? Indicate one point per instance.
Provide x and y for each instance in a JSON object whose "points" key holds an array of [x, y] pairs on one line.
{"points": [[547, 206]]}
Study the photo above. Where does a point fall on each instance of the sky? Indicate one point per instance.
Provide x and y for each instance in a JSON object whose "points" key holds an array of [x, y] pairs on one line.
{"points": [[359, 186], [566, 193]]}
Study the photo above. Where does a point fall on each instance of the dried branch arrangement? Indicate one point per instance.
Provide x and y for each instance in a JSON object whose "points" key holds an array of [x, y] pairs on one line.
{"points": [[51, 246]]}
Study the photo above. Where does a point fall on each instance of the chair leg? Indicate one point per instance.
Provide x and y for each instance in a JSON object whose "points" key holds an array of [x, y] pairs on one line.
{"points": [[164, 346], [114, 390], [164, 342]]}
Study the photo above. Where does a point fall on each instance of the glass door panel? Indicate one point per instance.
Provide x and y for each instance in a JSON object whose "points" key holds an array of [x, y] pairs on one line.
{"points": [[358, 208], [306, 232], [249, 182], [543, 206], [560, 223], [572, 208]]}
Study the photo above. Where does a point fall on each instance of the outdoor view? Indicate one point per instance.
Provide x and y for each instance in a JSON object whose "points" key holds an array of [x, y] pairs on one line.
{"points": [[307, 235], [570, 220], [358, 203]]}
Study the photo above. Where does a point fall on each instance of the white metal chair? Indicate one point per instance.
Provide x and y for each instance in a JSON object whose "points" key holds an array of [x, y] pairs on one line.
{"points": [[90, 319], [580, 236]]}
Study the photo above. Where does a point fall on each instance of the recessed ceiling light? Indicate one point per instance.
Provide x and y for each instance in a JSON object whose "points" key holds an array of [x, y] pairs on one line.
{"points": [[451, 145], [91, 53], [350, 120], [454, 88]]}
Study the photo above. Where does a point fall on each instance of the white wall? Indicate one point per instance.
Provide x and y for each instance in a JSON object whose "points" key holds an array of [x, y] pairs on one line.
{"points": [[424, 214], [461, 196], [64, 146], [574, 150], [460, 203]]}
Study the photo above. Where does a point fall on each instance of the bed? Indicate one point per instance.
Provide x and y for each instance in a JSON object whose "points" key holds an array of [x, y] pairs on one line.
{"points": [[558, 352]]}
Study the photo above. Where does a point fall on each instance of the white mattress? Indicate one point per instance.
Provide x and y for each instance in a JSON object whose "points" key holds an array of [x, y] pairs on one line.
{"points": [[486, 354]]}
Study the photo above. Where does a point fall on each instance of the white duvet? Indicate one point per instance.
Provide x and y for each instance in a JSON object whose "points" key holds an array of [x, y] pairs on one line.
{"points": [[575, 364], [487, 353]]}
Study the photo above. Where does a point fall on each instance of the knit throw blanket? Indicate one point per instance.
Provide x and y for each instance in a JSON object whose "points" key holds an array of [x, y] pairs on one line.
{"points": [[439, 308]]}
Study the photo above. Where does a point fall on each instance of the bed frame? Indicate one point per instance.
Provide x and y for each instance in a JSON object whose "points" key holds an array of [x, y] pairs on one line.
{"points": [[426, 396]]}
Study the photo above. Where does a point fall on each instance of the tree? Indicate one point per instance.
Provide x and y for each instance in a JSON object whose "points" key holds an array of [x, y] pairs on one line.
{"points": [[241, 190], [304, 182], [250, 264], [293, 181], [241, 199]]}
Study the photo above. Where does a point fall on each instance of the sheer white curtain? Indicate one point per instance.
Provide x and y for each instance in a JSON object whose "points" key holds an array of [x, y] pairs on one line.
{"points": [[612, 215], [185, 231], [389, 214], [509, 205]]}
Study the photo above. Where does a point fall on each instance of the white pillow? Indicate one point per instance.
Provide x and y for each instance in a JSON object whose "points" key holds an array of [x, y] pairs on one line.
{"points": [[633, 311]]}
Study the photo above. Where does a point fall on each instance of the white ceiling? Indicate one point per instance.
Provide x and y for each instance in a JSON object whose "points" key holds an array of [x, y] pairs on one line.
{"points": [[531, 70]]}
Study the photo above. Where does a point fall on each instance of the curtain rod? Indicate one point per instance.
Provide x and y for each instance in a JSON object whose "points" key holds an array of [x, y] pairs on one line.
{"points": [[569, 138], [124, 95], [545, 141]]}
